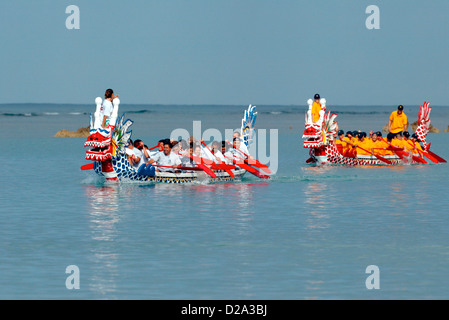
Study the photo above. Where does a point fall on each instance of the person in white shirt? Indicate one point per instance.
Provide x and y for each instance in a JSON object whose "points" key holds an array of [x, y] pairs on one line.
{"points": [[134, 155], [165, 158], [107, 107], [139, 157]]}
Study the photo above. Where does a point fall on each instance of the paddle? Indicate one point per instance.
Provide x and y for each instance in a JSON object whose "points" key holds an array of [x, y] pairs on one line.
{"points": [[436, 156], [255, 162], [219, 161], [249, 169], [88, 166], [428, 156], [198, 161], [433, 154], [402, 154], [377, 156], [180, 168]]}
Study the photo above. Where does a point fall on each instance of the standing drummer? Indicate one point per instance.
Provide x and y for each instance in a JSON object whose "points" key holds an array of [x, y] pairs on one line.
{"points": [[398, 121]]}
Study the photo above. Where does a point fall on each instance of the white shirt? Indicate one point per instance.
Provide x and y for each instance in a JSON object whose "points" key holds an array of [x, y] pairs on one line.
{"points": [[140, 155], [164, 160], [106, 110], [136, 152]]}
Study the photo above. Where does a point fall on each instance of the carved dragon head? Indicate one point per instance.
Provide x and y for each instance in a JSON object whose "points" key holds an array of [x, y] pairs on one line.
{"points": [[107, 142], [321, 133]]}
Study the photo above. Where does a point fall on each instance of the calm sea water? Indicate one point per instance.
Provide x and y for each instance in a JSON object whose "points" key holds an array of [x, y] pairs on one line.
{"points": [[309, 233]]}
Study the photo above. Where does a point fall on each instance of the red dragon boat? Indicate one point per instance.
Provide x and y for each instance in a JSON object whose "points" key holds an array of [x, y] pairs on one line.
{"points": [[319, 138]]}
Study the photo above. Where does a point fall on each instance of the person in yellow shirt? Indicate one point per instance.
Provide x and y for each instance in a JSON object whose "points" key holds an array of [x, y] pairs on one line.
{"points": [[418, 150], [397, 121], [316, 108], [340, 143], [384, 144], [349, 150], [363, 145], [397, 141], [408, 144]]}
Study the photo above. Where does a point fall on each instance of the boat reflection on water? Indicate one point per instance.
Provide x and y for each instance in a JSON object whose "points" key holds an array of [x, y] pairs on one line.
{"points": [[103, 216]]}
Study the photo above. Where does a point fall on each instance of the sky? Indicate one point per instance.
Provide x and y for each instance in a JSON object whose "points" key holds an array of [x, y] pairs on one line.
{"points": [[235, 52]]}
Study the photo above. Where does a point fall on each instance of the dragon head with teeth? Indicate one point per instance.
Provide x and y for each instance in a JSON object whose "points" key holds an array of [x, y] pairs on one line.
{"points": [[100, 142], [320, 133]]}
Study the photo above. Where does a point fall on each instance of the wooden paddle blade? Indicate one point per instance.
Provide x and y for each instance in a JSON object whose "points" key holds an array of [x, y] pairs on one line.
{"points": [[419, 159], [383, 159], [430, 157], [436, 156], [256, 163], [310, 160], [207, 170], [88, 166], [251, 170]]}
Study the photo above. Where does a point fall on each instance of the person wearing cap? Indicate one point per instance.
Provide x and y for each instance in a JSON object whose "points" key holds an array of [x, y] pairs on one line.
{"points": [[316, 108], [398, 121], [363, 145], [384, 145], [349, 150], [418, 149], [408, 144], [340, 143], [397, 141]]}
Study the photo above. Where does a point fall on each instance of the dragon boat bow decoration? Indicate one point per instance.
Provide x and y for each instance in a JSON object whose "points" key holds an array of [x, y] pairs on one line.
{"points": [[319, 137], [108, 152]]}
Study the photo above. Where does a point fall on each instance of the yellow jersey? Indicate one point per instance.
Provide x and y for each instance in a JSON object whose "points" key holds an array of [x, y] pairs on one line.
{"points": [[398, 122], [316, 108]]}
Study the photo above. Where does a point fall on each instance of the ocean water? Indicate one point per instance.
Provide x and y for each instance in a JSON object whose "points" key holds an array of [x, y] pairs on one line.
{"points": [[308, 233]]}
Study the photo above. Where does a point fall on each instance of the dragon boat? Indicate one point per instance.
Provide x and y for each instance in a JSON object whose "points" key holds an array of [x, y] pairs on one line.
{"points": [[108, 153], [319, 138]]}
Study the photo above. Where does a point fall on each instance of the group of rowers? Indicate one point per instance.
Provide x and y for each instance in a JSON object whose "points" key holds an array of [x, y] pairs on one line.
{"points": [[174, 156], [355, 143]]}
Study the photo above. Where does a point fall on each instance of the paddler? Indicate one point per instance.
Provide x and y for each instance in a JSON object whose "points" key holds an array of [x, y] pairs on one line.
{"points": [[384, 145], [397, 122], [363, 145], [340, 143]]}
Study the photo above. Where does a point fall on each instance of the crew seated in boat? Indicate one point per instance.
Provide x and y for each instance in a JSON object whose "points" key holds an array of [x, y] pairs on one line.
{"points": [[378, 145], [349, 150], [418, 150], [134, 153], [397, 141], [183, 146], [167, 160], [216, 155], [363, 145], [186, 158], [340, 143]]}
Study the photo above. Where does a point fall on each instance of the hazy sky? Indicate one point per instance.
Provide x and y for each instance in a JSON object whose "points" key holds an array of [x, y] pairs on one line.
{"points": [[225, 52]]}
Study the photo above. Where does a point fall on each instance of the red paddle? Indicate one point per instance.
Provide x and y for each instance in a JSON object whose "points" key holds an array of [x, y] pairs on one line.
{"points": [[255, 162], [219, 161], [249, 169], [377, 156], [428, 156], [88, 166]]}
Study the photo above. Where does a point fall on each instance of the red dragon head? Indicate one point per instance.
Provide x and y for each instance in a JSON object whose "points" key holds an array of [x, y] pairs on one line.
{"points": [[319, 134], [313, 136], [100, 141]]}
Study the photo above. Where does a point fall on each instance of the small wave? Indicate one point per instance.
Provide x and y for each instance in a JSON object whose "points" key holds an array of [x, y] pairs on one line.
{"points": [[8, 114], [139, 111], [51, 113]]}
